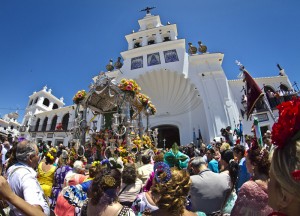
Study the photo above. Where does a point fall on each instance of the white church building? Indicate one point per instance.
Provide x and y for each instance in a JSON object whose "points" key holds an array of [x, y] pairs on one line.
{"points": [[189, 89]]}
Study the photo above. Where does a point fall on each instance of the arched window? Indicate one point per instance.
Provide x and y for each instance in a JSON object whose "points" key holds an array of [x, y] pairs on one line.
{"points": [[46, 102], [137, 44], [55, 106], [36, 100], [283, 88], [45, 124], [65, 121], [267, 87], [31, 102], [166, 37], [151, 40], [37, 124], [270, 93], [53, 123]]}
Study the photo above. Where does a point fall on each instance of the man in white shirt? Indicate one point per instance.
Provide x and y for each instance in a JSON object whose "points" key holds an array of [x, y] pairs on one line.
{"points": [[3, 152], [22, 178], [145, 170]]}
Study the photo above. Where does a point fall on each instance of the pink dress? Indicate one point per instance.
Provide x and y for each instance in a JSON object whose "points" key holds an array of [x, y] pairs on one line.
{"points": [[63, 207], [252, 200]]}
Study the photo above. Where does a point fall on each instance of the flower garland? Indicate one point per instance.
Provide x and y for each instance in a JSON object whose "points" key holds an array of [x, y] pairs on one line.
{"points": [[79, 96], [129, 85], [144, 99], [288, 124], [147, 141], [151, 108], [138, 142]]}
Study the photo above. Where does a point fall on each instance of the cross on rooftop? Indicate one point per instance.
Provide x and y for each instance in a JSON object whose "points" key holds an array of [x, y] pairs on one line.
{"points": [[148, 9]]}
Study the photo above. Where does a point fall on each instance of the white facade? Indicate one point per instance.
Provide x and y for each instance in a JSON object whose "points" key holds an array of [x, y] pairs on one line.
{"points": [[190, 91], [9, 126], [43, 115]]}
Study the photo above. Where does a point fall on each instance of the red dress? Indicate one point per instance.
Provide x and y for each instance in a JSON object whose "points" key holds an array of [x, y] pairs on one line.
{"points": [[252, 200]]}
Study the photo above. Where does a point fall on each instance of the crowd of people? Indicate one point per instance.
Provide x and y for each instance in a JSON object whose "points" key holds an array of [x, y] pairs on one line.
{"points": [[215, 179]]}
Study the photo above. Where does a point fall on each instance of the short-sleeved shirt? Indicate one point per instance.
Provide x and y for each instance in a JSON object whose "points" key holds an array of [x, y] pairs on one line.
{"points": [[144, 172], [23, 182]]}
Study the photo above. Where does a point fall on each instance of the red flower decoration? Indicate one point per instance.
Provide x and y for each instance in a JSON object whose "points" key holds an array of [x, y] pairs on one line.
{"points": [[59, 126], [288, 123], [296, 175]]}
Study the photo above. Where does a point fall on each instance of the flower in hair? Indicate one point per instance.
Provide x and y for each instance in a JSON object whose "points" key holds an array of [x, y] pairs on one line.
{"points": [[49, 155], [20, 139], [104, 162], [288, 124], [109, 180], [296, 175], [159, 169], [261, 154], [95, 163]]}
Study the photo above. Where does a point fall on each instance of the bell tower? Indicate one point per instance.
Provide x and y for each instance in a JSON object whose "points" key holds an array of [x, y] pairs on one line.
{"points": [[152, 47]]}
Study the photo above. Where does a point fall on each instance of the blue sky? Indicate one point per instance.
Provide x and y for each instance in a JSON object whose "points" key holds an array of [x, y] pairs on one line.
{"points": [[64, 43]]}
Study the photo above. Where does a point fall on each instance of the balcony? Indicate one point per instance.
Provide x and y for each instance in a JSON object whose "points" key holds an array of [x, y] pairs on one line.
{"points": [[273, 102]]}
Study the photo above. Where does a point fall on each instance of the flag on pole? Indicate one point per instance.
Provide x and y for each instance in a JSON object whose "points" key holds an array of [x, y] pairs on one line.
{"points": [[241, 132], [200, 139], [194, 137], [254, 93], [257, 132], [199, 134]]}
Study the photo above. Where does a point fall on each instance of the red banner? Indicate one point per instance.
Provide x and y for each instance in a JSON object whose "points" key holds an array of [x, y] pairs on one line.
{"points": [[253, 92]]}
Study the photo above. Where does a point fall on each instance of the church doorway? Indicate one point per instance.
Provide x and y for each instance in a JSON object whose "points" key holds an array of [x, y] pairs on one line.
{"points": [[167, 136]]}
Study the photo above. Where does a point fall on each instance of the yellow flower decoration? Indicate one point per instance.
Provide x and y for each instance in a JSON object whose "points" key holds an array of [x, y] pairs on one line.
{"points": [[109, 180], [53, 150], [79, 96], [95, 163], [50, 156]]}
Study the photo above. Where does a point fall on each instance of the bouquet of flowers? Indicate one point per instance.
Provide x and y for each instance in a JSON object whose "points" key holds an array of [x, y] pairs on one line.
{"points": [[137, 142], [79, 96], [147, 141], [125, 155], [129, 86]]}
